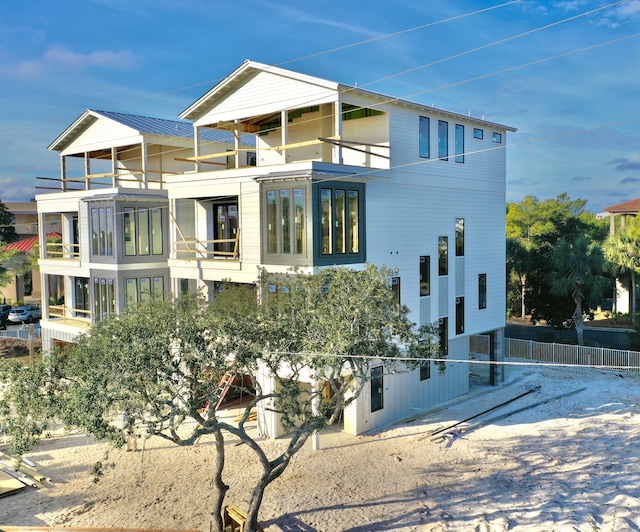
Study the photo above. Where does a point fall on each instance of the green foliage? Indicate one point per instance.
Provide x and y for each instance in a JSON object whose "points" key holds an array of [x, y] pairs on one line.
{"points": [[534, 229], [160, 362], [7, 230]]}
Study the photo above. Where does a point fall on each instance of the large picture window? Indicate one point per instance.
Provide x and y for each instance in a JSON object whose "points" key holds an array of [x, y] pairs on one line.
{"points": [[142, 231], [340, 216], [102, 231], [103, 298], [285, 209]]}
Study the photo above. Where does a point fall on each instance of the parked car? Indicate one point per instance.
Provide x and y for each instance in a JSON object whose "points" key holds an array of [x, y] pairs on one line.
{"points": [[25, 314], [4, 315]]}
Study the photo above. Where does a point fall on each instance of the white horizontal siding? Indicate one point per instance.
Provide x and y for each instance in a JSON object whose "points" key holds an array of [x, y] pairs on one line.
{"points": [[103, 133], [266, 93]]}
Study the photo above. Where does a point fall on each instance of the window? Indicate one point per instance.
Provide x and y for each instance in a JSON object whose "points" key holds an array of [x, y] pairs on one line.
{"points": [[103, 298], [395, 288], [478, 133], [459, 237], [497, 138], [443, 335], [482, 291], [285, 211], [339, 215], [143, 290], [443, 140], [425, 276], [377, 384], [102, 231], [82, 300], [459, 143], [423, 138], [425, 370], [142, 231], [459, 315], [351, 112], [443, 255]]}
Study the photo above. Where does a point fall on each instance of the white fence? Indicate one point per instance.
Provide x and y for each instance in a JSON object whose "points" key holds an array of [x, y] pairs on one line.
{"points": [[619, 359], [22, 333]]}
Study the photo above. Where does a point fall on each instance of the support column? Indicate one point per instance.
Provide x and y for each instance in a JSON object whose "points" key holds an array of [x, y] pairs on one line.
{"points": [[337, 132], [284, 130], [496, 354]]}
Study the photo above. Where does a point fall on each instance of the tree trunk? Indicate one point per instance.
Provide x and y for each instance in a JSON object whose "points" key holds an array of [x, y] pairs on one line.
{"points": [[523, 285], [220, 487], [633, 297], [578, 318], [251, 524]]}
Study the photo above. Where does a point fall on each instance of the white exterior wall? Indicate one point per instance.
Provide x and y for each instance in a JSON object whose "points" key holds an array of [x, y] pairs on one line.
{"points": [[404, 395], [267, 93]]}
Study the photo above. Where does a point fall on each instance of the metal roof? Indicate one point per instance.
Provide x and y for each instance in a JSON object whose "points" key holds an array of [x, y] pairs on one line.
{"points": [[145, 125]]}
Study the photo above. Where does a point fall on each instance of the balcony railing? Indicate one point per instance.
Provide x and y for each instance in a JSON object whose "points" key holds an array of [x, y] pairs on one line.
{"points": [[62, 250], [192, 249], [70, 316]]}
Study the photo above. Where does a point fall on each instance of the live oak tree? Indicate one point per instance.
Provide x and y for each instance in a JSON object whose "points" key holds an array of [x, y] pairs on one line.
{"points": [[160, 362]]}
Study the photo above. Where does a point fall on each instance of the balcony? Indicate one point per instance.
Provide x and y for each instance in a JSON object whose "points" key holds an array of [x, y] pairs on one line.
{"points": [[61, 250], [219, 249], [73, 317]]}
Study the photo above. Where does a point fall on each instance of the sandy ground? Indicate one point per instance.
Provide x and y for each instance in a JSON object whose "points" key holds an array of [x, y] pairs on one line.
{"points": [[570, 464]]}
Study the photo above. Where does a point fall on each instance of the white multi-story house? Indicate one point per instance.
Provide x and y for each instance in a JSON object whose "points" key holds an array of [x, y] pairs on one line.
{"points": [[110, 206], [337, 175]]}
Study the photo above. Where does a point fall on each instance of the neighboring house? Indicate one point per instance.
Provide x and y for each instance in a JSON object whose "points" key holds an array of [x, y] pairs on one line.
{"points": [[618, 216], [338, 175], [25, 286]]}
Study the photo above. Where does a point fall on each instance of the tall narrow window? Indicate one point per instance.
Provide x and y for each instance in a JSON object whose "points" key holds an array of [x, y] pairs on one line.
{"points": [[272, 216], [156, 232], [443, 140], [145, 289], [129, 222], [298, 199], [423, 138], [425, 370], [341, 228], [459, 237], [425, 276], [285, 220], [108, 231], [131, 292], [144, 245], [158, 288], [326, 206], [482, 291], [377, 389], [395, 288], [354, 210], [443, 335], [443, 255], [459, 315], [95, 232], [459, 143]]}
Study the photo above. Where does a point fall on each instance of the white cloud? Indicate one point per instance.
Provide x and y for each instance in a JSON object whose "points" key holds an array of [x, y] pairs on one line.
{"points": [[60, 57]]}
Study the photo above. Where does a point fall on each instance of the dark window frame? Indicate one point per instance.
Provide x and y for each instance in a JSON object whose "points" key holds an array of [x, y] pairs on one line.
{"points": [[459, 228], [443, 256], [482, 291], [460, 315], [424, 143], [459, 143], [425, 271], [377, 388], [443, 140]]}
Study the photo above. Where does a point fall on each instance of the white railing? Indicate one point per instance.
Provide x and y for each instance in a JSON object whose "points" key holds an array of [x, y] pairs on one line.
{"points": [[620, 359]]}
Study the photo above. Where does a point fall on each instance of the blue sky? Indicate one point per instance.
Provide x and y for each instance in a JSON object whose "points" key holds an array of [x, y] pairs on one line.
{"points": [[566, 73]]}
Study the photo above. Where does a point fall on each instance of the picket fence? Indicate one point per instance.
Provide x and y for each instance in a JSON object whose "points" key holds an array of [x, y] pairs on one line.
{"points": [[618, 359]]}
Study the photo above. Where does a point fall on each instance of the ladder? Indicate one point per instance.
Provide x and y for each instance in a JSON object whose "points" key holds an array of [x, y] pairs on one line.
{"points": [[218, 396]]}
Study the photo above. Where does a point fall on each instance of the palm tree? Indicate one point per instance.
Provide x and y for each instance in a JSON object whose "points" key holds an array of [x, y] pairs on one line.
{"points": [[622, 249], [576, 270], [519, 262]]}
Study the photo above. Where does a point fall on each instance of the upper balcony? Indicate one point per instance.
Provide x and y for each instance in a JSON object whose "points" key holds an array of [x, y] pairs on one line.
{"points": [[356, 136], [106, 150]]}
